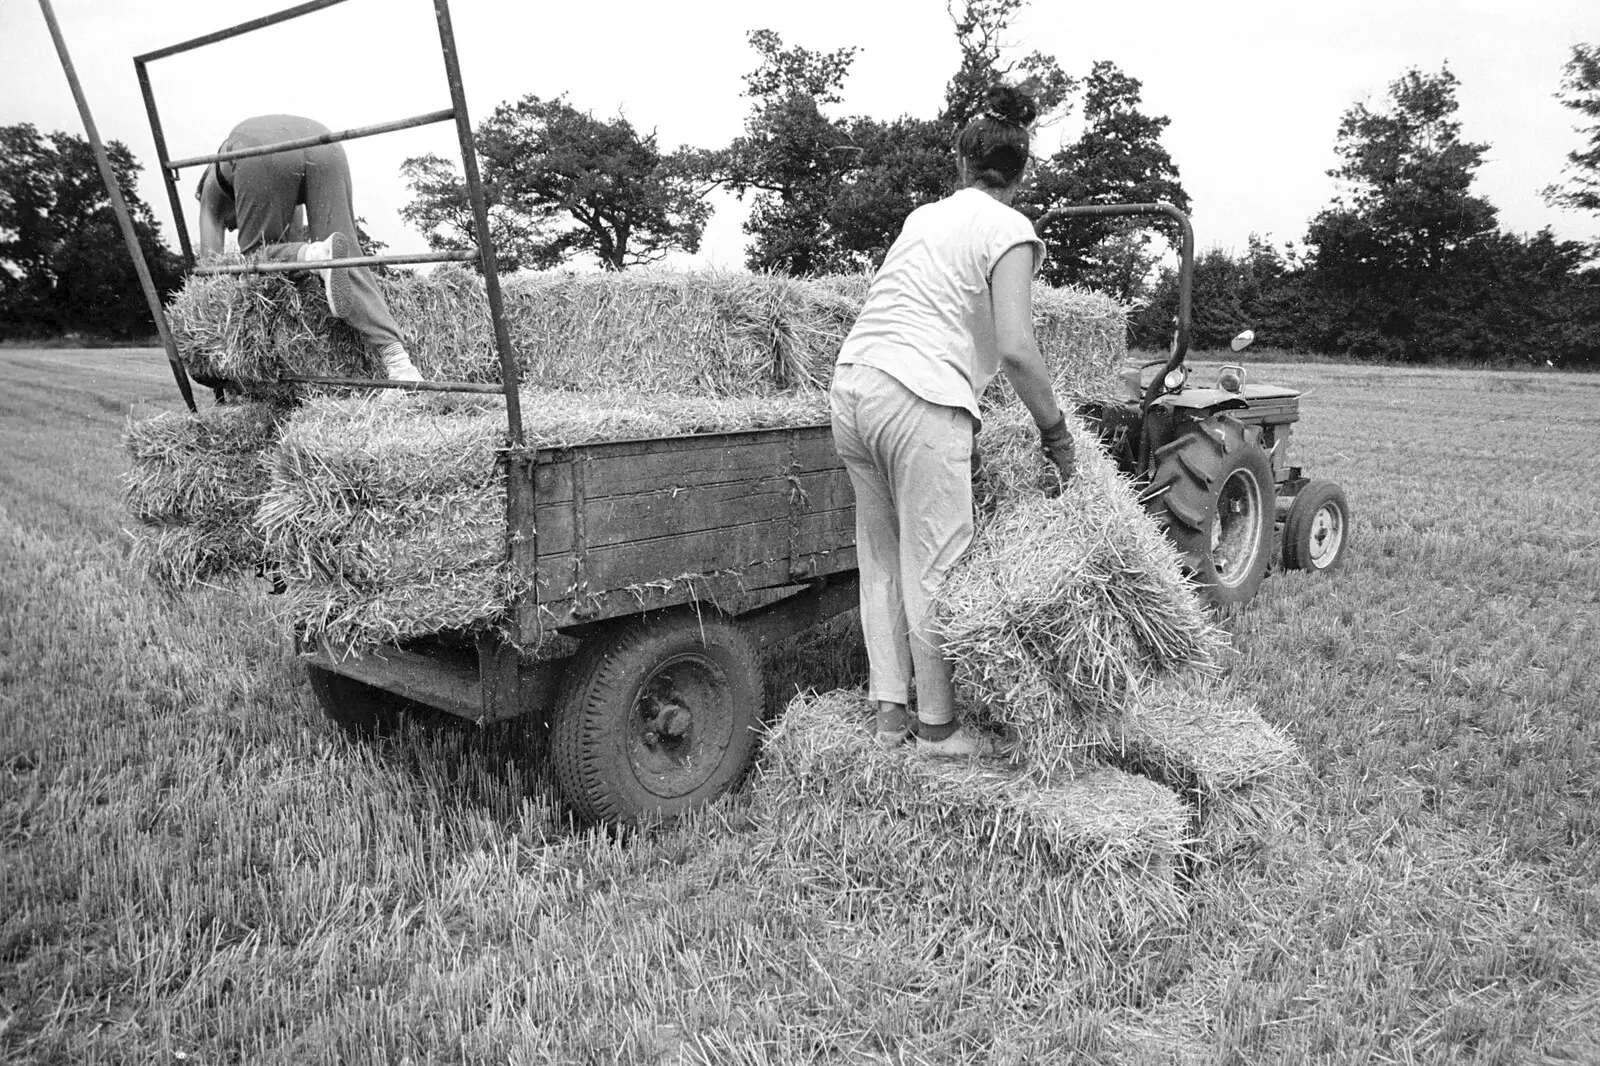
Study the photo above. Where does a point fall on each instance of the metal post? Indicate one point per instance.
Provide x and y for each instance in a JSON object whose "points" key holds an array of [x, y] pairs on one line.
{"points": [[480, 215], [120, 206], [168, 177]]}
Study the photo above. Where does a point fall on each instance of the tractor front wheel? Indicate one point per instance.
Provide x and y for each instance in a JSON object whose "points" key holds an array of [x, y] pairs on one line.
{"points": [[1212, 491], [657, 717], [1317, 529]]}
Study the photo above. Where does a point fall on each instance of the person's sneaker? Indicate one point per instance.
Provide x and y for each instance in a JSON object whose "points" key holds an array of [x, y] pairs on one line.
{"points": [[967, 743], [397, 364], [335, 283], [889, 739]]}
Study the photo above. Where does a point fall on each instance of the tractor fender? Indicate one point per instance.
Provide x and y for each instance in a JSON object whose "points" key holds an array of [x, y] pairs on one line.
{"points": [[1208, 399]]}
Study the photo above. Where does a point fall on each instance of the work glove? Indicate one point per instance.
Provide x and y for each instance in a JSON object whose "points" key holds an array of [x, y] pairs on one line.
{"points": [[1059, 449]]}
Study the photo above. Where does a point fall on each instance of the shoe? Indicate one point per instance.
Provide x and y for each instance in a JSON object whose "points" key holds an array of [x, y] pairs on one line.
{"points": [[335, 283], [893, 726], [967, 743], [397, 364], [889, 739]]}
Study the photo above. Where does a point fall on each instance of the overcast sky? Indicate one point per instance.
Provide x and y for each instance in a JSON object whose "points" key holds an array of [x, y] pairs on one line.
{"points": [[1254, 88]]}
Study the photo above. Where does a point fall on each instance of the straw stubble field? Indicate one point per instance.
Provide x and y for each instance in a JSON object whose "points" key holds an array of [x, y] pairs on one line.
{"points": [[196, 865]]}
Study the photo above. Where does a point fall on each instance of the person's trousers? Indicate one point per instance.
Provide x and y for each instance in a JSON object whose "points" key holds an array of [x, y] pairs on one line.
{"points": [[267, 189], [910, 465]]}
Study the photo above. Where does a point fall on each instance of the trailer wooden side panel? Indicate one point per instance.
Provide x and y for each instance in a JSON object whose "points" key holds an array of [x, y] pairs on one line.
{"points": [[625, 526]]}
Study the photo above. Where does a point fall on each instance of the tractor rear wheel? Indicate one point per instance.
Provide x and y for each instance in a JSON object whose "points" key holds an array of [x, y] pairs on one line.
{"points": [[657, 717], [1212, 492], [1317, 530]]}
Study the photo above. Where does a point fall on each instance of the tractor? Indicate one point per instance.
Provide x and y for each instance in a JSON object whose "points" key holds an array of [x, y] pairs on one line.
{"points": [[1212, 461]]}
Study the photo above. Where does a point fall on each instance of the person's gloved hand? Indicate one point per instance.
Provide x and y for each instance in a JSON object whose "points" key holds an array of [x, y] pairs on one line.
{"points": [[1059, 449]]}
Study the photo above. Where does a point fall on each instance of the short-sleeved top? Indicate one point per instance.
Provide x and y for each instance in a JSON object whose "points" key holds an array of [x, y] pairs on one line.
{"points": [[927, 320]]}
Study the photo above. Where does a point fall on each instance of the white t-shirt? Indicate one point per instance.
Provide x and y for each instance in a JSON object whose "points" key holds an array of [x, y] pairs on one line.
{"points": [[927, 321]]}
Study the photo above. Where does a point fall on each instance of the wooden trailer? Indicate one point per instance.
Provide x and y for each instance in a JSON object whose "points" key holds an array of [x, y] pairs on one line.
{"points": [[655, 572]]}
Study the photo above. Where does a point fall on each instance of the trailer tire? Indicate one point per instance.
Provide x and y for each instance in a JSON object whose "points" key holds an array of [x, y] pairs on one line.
{"points": [[1317, 529], [656, 717], [361, 710], [1212, 493]]}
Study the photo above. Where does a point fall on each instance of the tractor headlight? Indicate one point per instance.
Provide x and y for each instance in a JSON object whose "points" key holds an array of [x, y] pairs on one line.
{"points": [[1175, 378]]}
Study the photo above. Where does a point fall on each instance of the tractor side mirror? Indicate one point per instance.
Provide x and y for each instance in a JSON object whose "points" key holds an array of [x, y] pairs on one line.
{"points": [[1243, 340]]}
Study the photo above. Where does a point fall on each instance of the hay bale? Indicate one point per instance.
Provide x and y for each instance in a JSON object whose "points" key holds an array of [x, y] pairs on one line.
{"points": [[706, 333], [254, 329], [194, 485], [1083, 337], [387, 520], [702, 333], [1066, 604], [1065, 890], [1207, 742]]}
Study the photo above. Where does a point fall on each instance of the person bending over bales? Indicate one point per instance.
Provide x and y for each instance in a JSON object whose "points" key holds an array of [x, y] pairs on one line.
{"points": [[951, 306], [261, 196]]}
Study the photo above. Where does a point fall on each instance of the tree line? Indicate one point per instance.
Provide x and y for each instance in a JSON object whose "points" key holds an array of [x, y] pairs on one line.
{"points": [[1407, 263]]}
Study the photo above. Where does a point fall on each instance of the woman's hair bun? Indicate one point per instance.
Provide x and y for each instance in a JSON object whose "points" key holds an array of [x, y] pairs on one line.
{"points": [[1010, 104]]}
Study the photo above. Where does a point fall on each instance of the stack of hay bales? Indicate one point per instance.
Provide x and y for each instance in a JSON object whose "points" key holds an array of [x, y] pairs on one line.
{"points": [[765, 342], [387, 520], [704, 333], [1069, 621], [194, 486]]}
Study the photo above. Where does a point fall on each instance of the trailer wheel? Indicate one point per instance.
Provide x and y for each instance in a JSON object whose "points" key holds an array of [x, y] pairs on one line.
{"points": [[1317, 530], [359, 709], [1212, 491], [657, 717]]}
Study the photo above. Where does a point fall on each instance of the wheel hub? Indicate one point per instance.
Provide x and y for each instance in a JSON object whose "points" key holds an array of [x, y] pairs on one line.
{"points": [[681, 724], [1234, 540], [1327, 534]]}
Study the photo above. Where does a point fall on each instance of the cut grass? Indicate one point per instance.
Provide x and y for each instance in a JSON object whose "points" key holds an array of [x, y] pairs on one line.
{"points": [[194, 862]]}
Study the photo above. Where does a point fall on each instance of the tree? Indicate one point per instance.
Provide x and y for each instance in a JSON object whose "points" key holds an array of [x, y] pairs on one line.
{"points": [[1254, 291], [901, 165], [832, 193], [792, 156], [1117, 159], [980, 27], [1384, 267], [1580, 90], [560, 184], [64, 266]]}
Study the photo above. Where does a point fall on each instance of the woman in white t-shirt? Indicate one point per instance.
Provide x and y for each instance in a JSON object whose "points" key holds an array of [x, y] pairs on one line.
{"points": [[950, 307]]}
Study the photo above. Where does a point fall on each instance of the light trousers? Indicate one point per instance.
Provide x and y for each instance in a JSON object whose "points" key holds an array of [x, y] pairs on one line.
{"points": [[910, 465]]}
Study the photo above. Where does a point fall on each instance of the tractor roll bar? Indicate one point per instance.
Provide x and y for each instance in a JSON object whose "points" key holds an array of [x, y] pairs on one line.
{"points": [[1180, 341]]}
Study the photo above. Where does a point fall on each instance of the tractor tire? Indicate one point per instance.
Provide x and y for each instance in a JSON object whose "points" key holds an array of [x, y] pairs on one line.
{"points": [[1212, 492], [1317, 530], [361, 710], [657, 717]]}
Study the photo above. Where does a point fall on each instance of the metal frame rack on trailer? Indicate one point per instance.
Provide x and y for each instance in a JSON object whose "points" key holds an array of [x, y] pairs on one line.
{"points": [[667, 562]]}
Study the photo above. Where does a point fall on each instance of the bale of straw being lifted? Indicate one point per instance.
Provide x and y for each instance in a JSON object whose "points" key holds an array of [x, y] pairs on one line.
{"points": [[1065, 604], [194, 485]]}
